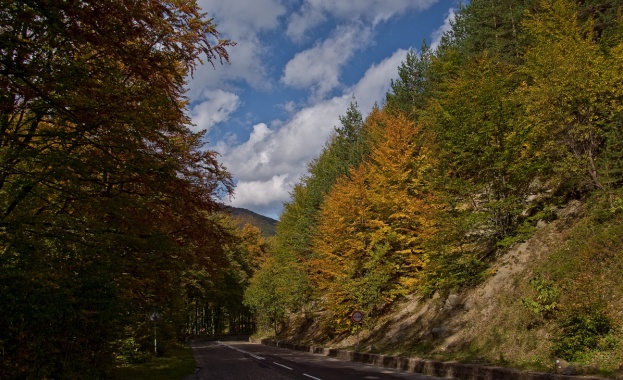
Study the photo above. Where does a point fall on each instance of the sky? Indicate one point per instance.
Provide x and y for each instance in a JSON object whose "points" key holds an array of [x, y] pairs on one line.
{"points": [[296, 67]]}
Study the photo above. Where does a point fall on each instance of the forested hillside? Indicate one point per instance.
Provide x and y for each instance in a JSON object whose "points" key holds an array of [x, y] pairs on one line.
{"points": [[516, 113], [243, 217]]}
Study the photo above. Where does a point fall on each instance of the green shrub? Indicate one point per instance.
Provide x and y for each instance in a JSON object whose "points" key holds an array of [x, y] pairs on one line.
{"points": [[128, 351], [580, 332], [546, 301], [453, 271]]}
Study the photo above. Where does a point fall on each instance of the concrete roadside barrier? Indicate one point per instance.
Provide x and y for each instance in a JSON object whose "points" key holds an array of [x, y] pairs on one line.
{"points": [[451, 370]]}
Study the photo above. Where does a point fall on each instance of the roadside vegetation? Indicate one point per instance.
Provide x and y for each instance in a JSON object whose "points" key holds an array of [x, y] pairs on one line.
{"points": [[178, 363], [111, 230], [479, 144], [110, 205]]}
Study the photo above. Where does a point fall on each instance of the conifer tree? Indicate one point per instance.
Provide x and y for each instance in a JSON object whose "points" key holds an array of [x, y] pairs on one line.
{"points": [[572, 97]]}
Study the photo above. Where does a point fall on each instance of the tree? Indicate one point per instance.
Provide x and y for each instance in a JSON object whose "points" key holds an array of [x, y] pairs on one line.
{"points": [[572, 98], [373, 223], [410, 91], [279, 287], [492, 26], [346, 148], [105, 193], [479, 146]]}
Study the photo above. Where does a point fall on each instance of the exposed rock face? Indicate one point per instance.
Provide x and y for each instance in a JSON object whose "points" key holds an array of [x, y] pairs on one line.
{"points": [[439, 332], [563, 367], [452, 302]]}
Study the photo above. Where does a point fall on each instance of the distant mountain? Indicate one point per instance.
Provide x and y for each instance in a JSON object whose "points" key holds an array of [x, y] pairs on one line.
{"points": [[243, 216]]}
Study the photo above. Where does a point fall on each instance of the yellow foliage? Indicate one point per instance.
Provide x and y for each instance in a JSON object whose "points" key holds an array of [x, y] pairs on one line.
{"points": [[373, 222]]}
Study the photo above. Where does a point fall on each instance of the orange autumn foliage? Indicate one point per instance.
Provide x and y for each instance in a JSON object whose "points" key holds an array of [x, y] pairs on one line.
{"points": [[374, 221]]}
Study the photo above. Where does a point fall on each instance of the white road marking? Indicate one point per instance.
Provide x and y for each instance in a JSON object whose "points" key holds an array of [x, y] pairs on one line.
{"points": [[311, 377], [261, 358], [241, 351], [284, 366]]}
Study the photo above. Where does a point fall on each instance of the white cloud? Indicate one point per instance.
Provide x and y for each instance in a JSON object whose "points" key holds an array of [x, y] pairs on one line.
{"points": [[307, 18], [251, 160], [261, 193], [245, 65], [214, 106], [272, 160], [274, 156], [438, 34], [375, 11], [376, 81], [240, 18], [240, 21], [318, 68]]}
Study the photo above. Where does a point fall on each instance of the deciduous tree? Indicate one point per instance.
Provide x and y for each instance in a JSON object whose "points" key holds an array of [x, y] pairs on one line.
{"points": [[105, 193]]}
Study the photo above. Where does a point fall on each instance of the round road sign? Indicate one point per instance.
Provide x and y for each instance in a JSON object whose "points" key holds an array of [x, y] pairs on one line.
{"points": [[356, 316]]}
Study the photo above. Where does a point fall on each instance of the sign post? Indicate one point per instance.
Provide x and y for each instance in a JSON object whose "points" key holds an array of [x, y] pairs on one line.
{"points": [[155, 316], [357, 318]]}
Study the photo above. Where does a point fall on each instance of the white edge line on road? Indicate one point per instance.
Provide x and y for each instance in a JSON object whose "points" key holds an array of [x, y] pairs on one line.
{"points": [[281, 365], [312, 377], [241, 351]]}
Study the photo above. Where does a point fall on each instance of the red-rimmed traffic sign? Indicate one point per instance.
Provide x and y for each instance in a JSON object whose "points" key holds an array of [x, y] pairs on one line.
{"points": [[356, 316]]}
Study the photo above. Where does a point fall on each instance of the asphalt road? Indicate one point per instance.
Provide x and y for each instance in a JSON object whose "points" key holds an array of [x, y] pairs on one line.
{"points": [[242, 360]]}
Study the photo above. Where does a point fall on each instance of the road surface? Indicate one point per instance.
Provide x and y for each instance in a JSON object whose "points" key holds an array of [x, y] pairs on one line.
{"points": [[234, 360]]}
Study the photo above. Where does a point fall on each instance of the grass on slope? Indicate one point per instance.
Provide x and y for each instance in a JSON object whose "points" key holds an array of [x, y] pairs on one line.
{"points": [[570, 306]]}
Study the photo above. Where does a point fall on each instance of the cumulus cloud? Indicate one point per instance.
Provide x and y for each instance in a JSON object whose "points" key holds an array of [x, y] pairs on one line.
{"points": [[265, 195], [438, 34], [307, 18], [240, 21], [271, 161], [376, 81], [240, 18], [213, 106], [244, 66], [319, 67], [313, 12]]}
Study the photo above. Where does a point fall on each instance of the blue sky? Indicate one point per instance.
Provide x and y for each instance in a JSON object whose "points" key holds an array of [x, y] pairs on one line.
{"points": [[296, 67]]}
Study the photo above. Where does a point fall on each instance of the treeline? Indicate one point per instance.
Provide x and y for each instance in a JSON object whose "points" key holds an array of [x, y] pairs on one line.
{"points": [[108, 201], [518, 110]]}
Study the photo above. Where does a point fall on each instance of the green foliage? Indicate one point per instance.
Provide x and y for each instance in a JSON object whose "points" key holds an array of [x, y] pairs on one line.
{"points": [[409, 93], [581, 331], [177, 365], [451, 272], [478, 145], [581, 293], [279, 286], [545, 303], [490, 26], [129, 351], [519, 233], [571, 97]]}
